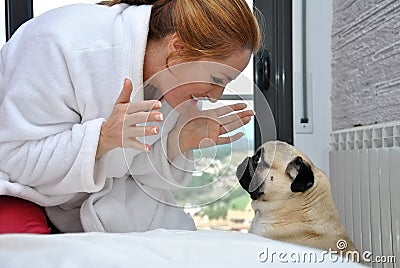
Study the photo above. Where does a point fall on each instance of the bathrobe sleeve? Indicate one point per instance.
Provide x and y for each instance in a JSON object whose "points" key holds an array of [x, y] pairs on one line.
{"points": [[43, 142]]}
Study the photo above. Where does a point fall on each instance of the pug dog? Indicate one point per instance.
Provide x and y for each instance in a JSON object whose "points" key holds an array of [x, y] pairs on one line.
{"points": [[292, 199]]}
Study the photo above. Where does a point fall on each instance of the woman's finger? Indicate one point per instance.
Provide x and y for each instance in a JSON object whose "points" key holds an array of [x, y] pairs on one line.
{"points": [[233, 117], [142, 117], [125, 95], [134, 131], [143, 106], [234, 125], [230, 139], [229, 108], [135, 144]]}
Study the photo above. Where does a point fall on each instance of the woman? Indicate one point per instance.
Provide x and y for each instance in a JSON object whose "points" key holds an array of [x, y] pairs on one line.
{"points": [[69, 139]]}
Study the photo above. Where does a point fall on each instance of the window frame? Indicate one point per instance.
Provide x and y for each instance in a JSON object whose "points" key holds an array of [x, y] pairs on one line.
{"points": [[17, 12]]}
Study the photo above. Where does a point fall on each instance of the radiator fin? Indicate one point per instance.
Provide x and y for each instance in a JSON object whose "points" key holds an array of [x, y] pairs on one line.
{"points": [[365, 178]]}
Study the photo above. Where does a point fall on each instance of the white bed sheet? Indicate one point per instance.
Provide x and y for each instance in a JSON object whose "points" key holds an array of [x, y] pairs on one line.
{"points": [[158, 248]]}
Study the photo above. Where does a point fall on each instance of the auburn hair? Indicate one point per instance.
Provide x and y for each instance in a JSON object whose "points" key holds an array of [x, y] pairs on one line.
{"points": [[209, 28]]}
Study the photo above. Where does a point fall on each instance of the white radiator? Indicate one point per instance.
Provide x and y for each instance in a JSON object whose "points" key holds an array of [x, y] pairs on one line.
{"points": [[365, 178]]}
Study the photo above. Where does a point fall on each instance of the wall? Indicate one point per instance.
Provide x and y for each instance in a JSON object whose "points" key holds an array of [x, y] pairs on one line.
{"points": [[366, 62], [319, 20]]}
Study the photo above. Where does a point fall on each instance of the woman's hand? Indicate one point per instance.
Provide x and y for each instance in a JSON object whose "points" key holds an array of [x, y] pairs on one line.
{"points": [[121, 130], [199, 129]]}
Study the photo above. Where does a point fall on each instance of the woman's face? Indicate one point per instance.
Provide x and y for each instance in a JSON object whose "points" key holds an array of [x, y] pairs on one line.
{"points": [[187, 82]]}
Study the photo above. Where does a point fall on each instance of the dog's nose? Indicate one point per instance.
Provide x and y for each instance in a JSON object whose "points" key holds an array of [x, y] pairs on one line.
{"points": [[256, 194], [245, 174]]}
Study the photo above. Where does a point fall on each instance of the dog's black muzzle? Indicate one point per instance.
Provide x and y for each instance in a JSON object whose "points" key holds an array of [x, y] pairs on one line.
{"points": [[246, 173]]}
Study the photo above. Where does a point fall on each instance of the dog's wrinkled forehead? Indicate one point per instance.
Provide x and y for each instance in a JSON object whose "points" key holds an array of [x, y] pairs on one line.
{"points": [[279, 152]]}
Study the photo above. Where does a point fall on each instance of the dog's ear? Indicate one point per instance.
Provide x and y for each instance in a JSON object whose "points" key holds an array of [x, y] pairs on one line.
{"points": [[302, 175]]}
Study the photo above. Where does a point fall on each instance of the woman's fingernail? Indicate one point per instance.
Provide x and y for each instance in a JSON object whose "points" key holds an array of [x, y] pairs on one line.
{"points": [[158, 104], [159, 117], [154, 130], [147, 148]]}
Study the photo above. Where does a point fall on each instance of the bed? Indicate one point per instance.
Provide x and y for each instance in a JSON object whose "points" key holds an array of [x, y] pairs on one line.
{"points": [[157, 248]]}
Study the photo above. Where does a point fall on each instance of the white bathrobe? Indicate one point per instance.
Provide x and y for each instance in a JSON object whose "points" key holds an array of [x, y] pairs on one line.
{"points": [[60, 75]]}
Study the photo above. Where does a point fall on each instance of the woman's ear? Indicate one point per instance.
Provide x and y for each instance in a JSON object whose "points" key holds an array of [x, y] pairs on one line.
{"points": [[175, 44]]}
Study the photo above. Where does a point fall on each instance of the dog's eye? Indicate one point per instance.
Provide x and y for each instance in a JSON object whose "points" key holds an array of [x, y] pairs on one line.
{"points": [[257, 158]]}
